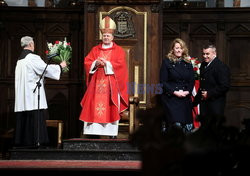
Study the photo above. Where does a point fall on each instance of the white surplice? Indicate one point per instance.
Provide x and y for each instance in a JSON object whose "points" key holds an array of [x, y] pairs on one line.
{"points": [[27, 74]]}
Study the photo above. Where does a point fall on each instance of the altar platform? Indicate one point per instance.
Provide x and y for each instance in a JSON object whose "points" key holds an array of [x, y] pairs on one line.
{"points": [[76, 156]]}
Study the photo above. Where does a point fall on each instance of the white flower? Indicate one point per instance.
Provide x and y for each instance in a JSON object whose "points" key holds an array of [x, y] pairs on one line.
{"points": [[63, 49], [50, 45], [196, 66], [65, 44]]}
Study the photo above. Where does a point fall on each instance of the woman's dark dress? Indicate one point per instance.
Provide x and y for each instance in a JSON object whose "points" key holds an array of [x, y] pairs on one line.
{"points": [[177, 76]]}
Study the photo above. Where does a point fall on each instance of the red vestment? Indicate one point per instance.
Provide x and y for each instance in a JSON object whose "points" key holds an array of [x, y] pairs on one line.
{"points": [[106, 95], [196, 110]]}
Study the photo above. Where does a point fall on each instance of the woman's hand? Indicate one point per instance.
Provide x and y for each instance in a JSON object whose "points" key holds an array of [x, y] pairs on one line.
{"points": [[185, 93], [181, 93]]}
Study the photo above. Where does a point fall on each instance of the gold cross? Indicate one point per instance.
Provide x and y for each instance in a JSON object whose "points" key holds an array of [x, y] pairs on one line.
{"points": [[100, 109], [101, 85]]}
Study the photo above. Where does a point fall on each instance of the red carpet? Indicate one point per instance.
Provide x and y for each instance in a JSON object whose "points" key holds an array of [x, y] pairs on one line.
{"points": [[82, 139], [71, 165]]}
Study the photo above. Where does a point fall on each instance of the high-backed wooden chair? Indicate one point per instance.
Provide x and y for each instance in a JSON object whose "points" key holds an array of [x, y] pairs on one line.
{"points": [[128, 117]]}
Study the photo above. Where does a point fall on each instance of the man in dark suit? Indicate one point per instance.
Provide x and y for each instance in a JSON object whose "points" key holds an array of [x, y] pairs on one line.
{"points": [[214, 84]]}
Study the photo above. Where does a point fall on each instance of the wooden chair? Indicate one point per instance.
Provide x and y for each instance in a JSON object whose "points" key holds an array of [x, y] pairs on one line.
{"points": [[128, 117], [59, 125], [6, 138]]}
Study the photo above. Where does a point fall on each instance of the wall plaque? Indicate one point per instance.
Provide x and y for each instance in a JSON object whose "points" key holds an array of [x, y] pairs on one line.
{"points": [[125, 27]]}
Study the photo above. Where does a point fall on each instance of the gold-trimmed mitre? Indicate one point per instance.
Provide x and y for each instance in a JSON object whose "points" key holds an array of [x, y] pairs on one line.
{"points": [[107, 25]]}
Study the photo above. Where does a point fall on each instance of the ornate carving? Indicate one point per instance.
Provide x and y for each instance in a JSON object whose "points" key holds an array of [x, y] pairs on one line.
{"points": [[183, 4], [56, 29], [125, 27], [203, 30], [170, 30], [155, 8], [92, 8], [239, 29], [23, 29]]}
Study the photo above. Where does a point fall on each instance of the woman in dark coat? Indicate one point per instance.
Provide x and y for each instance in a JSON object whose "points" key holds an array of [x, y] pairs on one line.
{"points": [[177, 78]]}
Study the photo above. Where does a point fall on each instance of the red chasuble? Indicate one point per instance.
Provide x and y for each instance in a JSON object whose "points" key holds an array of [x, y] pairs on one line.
{"points": [[106, 95], [196, 110]]}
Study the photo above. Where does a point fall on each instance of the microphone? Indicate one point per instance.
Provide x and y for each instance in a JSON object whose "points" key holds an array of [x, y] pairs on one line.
{"points": [[52, 55]]}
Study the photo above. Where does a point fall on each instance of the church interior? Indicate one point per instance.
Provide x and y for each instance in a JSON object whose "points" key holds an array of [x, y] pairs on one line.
{"points": [[145, 30]]}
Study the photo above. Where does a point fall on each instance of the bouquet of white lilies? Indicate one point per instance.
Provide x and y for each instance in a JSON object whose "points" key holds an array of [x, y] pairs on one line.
{"points": [[64, 51]]}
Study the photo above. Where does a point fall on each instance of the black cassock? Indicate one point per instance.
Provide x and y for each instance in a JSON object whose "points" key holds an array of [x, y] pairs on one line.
{"points": [[176, 76]]}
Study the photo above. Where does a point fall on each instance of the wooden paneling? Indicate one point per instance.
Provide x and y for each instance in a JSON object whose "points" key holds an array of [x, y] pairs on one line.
{"points": [[228, 28], [44, 25]]}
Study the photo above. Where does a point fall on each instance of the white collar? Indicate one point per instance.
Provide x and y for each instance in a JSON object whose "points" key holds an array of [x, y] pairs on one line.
{"points": [[107, 46]]}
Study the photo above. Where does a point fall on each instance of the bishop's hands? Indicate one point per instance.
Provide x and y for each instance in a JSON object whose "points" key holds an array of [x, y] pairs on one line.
{"points": [[100, 62], [181, 93]]}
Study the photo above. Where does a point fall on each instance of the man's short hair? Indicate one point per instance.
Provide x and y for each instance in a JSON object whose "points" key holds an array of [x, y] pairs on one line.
{"points": [[26, 40], [209, 46]]}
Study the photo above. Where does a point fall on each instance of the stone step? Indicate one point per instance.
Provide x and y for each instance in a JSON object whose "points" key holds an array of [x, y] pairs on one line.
{"points": [[82, 149], [98, 144], [62, 154]]}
